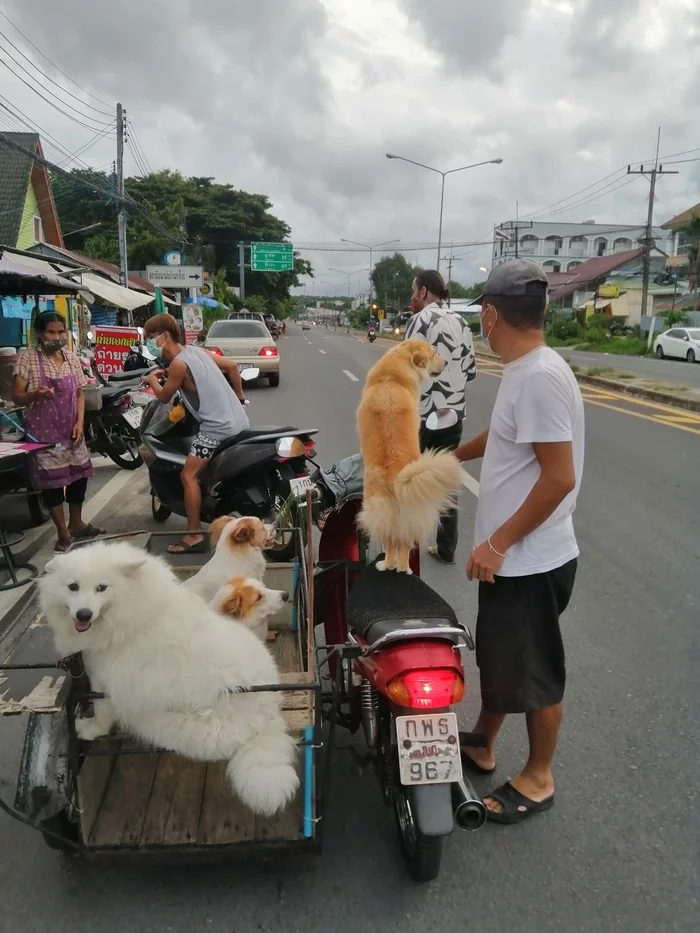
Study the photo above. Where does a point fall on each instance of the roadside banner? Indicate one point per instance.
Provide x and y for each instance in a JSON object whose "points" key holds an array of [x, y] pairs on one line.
{"points": [[192, 321], [112, 345]]}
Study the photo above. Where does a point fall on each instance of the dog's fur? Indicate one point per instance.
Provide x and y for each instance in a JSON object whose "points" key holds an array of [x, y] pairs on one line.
{"points": [[167, 663], [250, 603], [238, 552], [404, 491]]}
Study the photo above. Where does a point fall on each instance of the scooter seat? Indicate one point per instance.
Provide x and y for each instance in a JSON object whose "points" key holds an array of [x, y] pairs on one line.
{"points": [[110, 391], [251, 433], [387, 601], [132, 375]]}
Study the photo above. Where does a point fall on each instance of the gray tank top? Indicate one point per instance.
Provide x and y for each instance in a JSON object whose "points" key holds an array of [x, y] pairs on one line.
{"points": [[216, 408]]}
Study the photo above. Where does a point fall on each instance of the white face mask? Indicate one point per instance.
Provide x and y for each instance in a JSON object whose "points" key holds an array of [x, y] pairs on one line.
{"points": [[485, 337]]}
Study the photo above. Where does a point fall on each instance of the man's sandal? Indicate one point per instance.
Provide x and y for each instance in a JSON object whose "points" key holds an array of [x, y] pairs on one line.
{"points": [[466, 741], [433, 551], [516, 806], [201, 547]]}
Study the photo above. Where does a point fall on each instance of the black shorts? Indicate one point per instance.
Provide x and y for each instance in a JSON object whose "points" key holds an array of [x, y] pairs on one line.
{"points": [[519, 647]]}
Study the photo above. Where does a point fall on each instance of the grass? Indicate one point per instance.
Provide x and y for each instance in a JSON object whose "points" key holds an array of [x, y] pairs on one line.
{"points": [[618, 346]]}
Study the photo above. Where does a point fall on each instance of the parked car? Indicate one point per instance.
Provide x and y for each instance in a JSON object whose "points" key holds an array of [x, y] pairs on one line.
{"points": [[682, 343], [247, 316], [249, 343]]}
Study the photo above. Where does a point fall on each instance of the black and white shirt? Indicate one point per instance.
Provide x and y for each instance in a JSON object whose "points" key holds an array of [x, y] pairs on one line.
{"points": [[449, 335]]}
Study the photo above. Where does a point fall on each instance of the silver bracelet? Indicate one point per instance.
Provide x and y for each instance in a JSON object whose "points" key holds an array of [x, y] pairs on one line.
{"points": [[497, 553]]}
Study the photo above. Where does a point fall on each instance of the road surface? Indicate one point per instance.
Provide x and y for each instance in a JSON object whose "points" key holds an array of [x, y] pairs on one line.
{"points": [[619, 850], [674, 371]]}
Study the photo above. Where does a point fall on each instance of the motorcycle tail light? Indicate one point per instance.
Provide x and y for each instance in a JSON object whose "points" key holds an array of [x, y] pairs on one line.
{"points": [[433, 689], [288, 448], [310, 449], [268, 351], [215, 350]]}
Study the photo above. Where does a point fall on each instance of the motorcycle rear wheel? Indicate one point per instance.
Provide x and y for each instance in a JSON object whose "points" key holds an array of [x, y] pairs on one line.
{"points": [[161, 513], [129, 457], [421, 853]]}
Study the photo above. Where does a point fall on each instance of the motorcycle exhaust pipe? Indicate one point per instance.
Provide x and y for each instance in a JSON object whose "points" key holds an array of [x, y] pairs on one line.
{"points": [[470, 812]]}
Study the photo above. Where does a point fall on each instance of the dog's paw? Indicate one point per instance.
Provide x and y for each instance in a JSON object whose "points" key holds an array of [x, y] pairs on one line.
{"points": [[406, 570], [381, 565], [88, 730]]}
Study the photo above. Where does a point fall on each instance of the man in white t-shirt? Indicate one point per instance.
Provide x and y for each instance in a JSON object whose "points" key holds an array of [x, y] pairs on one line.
{"points": [[526, 552]]}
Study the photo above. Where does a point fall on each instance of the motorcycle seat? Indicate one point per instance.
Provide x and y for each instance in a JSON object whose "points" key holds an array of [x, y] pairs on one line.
{"points": [[387, 601], [110, 391], [133, 375], [249, 433]]}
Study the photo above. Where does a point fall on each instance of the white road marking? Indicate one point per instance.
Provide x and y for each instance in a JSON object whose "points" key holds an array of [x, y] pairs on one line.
{"points": [[322, 351], [470, 483], [351, 375]]}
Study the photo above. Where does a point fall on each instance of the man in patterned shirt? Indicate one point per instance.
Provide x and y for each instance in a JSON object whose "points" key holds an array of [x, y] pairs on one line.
{"points": [[449, 335]]}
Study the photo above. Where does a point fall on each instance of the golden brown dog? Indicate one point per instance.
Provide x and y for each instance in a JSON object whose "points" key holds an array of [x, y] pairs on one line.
{"points": [[404, 491]]}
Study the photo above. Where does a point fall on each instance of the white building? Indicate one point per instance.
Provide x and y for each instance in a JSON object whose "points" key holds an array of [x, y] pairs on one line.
{"points": [[561, 247]]}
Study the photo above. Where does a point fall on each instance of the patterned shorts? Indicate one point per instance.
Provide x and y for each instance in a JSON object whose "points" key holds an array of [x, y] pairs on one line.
{"points": [[203, 446]]}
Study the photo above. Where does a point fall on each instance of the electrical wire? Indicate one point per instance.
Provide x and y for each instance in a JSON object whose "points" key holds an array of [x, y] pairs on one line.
{"points": [[53, 64], [73, 157], [23, 121], [7, 39], [137, 142]]}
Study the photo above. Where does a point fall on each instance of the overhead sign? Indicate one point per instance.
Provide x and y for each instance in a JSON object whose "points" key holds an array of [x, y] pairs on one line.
{"points": [[271, 257], [112, 345], [175, 276], [172, 258]]}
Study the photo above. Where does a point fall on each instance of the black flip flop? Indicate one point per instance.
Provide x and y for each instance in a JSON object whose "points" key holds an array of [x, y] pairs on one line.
{"points": [[511, 800], [436, 555], [467, 760], [201, 547], [89, 531]]}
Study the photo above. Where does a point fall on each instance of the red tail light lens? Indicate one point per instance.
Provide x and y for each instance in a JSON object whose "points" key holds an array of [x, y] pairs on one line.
{"points": [[427, 689], [268, 351], [215, 350], [310, 451]]}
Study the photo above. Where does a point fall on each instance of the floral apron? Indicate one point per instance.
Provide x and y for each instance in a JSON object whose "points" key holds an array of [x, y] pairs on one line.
{"points": [[51, 421]]}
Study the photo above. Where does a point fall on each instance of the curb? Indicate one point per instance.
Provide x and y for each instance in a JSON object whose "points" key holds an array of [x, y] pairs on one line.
{"points": [[600, 382]]}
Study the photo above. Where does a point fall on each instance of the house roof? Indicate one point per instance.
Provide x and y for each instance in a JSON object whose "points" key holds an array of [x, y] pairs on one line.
{"points": [[587, 272], [80, 259], [681, 218], [16, 169]]}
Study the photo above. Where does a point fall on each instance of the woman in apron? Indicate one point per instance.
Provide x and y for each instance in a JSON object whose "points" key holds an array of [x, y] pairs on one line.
{"points": [[49, 383]]}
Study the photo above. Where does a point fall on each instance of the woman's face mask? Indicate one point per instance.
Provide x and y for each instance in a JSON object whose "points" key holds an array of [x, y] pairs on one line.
{"points": [[54, 344]]}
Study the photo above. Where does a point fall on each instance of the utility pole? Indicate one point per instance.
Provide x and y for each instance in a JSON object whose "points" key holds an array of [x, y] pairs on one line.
{"points": [[450, 262], [241, 268], [516, 227], [121, 217], [648, 240]]}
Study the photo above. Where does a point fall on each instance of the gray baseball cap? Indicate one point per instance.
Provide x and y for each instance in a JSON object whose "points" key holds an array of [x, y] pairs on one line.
{"points": [[515, 278]]}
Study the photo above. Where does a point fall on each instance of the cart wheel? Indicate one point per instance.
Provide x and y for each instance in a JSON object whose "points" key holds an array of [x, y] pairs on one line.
{"points": [[160, 512], [61, 826], [38, 512], [421, 853]]}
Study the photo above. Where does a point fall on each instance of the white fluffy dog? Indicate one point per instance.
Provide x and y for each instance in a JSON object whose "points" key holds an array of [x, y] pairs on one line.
{"points": [[249, 602], [238, 552], [167, 664]]}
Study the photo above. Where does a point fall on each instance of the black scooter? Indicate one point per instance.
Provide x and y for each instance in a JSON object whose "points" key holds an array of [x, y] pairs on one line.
{"points": [[258, 472]]}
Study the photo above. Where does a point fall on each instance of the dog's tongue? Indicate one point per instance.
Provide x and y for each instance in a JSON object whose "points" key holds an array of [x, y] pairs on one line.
{"points": [[81, 626]]}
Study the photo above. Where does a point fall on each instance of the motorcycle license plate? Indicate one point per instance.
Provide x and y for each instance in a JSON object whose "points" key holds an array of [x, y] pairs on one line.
{"points": [[133, 416], [300, 485], [428, 746]]}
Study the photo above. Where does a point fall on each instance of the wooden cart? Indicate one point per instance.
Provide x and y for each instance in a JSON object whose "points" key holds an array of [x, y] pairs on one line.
{"points": [[115, 795]]}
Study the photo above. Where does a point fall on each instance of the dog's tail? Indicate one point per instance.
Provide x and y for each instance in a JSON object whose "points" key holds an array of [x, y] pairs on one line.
{"points": [[428, 485], [262, 772]]}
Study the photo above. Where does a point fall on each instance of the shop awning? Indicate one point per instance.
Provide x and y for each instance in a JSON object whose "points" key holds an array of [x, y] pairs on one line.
{"points": [[114, 295]]}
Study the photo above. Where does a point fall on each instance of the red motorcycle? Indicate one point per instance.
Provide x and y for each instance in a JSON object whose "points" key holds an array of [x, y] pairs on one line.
{"points": [[394, 652]]}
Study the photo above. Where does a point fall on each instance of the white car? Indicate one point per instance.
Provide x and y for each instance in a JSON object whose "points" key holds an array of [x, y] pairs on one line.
{"points": [[682, 343]]}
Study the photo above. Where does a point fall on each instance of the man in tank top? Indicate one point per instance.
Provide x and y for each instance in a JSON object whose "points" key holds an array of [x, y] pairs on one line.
{"points": [[206, 394]]}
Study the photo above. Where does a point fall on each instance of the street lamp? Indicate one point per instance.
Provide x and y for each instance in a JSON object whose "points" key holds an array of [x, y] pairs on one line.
{"points": [[451, 171], [343, 272], [370, 248], [483, 269]]}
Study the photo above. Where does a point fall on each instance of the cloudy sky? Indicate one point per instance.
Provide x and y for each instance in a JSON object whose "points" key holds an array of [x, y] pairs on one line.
{"points": [[301, 99]]}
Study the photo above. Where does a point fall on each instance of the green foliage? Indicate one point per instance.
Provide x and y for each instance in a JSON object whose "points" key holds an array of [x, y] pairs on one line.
{"points": [[457, 290], [474, 326], [392, 278], [675, 318], [563, 328]]}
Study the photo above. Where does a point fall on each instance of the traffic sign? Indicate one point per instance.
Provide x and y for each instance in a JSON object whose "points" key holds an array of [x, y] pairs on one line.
{"points": [[271, 257], [175, 276], [172, 258], [380, 315]]}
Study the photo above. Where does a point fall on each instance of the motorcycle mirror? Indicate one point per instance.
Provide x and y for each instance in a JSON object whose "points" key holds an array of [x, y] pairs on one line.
{"points": [[90, 335], [140, 331], [441, 419], [247, 375]]}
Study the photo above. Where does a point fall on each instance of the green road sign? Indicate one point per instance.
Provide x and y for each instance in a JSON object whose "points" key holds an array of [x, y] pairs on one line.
{"points": [[271, 257]]}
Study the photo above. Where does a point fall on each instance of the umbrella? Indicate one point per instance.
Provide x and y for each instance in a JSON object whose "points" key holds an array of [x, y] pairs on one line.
{"points": [[158, 304], [16, 279], [205, 302]]}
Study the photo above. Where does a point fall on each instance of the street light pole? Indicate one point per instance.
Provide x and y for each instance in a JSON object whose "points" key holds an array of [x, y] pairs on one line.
{"points": [[451, 171], [343, 272], [371, 266]]}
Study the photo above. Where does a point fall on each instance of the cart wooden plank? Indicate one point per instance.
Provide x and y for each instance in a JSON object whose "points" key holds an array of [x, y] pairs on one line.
{"points": [[224, 819], [175, 803], [131, 780], [93, 781]]}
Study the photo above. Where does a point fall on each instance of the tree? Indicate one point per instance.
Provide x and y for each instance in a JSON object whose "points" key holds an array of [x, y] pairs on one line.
{"points": [[392, 278], [691, 230], [457, 290], [675, 318]]}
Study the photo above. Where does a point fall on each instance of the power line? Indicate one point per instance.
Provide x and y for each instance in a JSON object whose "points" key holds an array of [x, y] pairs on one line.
{"points": [[88, 145], [48, 78], [137, 142], [23, 120], [53, 65]]}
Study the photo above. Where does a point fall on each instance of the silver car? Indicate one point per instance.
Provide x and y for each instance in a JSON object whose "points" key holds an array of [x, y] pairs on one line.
{"points": [[247, 342]]}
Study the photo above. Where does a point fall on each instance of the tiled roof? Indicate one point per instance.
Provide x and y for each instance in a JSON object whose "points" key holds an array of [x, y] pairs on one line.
{"points": [[682, 218], [15, 171], [589, 271], [135, 281]]}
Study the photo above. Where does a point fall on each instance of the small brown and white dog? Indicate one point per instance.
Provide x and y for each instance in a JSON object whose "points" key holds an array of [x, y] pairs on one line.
{"points": [[404, 491], [249, 602], [238, 545]]}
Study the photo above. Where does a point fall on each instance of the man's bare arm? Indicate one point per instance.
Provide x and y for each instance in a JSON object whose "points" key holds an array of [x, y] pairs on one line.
{"points": [[474, 448], [176, 376], [230, 368]]}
